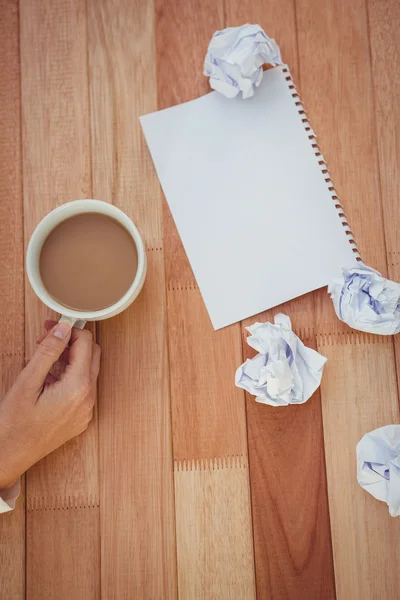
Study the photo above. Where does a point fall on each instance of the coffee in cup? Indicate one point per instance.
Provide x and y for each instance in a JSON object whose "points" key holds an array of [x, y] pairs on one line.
{"points": [[86, 260]]}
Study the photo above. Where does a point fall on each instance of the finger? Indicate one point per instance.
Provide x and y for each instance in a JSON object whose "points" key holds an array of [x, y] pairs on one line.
{"points": [[46, 354], [95, 365], [47, 326], [80, 353], [89, 418], [41, 338]]}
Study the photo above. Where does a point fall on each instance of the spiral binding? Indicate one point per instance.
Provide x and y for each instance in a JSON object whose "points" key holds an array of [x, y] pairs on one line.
{"points": [[321, 160]]}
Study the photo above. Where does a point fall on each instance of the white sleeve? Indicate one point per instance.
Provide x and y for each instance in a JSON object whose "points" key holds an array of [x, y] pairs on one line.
{"points": [[8, 497]]}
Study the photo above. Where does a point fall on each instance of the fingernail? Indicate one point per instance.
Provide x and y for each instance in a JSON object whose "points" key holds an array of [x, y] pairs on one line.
{"points": [[62, 331]]}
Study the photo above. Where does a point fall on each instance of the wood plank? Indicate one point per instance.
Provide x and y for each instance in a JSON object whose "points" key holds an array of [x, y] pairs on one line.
{"points": [[336, 88], [12, 525], [137, 511], [11, 218], [384, 21], [207, 411], [56, 169], [365, 538], [292, 537], [359, 387], [291, 525], [138, 549], [56, 164], [214, 538], [63, 574], [202, 427], [215, 548], [12, 551], [208, 415]]}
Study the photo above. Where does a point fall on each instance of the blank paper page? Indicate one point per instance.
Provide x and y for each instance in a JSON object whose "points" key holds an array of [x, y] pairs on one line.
{"points": [[249, 199]]}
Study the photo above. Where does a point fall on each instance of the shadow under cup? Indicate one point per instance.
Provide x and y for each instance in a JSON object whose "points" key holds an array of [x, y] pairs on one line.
{"points": [[41, 233]]}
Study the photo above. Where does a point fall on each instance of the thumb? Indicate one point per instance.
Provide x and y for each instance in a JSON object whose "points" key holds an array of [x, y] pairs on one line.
{"points": [[47, 353]]}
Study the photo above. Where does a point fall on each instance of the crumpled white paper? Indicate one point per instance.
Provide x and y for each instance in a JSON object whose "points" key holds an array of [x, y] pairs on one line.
{"points": [[378, 465], [367, 301], [285, 371], [235, 57]]}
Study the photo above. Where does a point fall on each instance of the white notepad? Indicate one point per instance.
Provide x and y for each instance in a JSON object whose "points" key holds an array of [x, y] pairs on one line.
{"points": [[251, 197]]}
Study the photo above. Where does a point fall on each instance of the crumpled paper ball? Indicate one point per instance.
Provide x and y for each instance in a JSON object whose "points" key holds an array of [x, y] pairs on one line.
{"points": [[367, 301], [378, 465], [235, 57], [285, 371]]}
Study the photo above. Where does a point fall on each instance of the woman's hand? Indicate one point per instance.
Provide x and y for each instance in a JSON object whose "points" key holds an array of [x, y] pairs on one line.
{"points": [[41, 412]]}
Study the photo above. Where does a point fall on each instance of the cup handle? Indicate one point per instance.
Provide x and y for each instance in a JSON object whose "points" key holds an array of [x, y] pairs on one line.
{"points": [[78, 323]]}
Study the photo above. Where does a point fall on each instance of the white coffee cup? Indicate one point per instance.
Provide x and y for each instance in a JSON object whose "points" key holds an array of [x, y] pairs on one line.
{"points": [[55, 217]]}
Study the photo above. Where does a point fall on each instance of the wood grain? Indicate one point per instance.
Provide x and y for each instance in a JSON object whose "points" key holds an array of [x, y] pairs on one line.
{"points": [[365, 538], [359, 386], [208, 414], [12, 525], [336, 87], [384, 20], [60, 572], [286, 451], [214, 540], [384, 23], [56, 169], [207, 410], [144, 55], [56, 155], [215, 549], [137, 509], [11, 216], [138, 547], [291, 525]]}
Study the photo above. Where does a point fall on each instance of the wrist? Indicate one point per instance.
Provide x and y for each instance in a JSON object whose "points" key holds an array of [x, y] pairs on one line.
{"points": [[11, 462], [4, 485], [9, 472]]}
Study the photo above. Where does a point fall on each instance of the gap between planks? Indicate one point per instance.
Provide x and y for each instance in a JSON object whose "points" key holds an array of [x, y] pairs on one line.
{"points": [[61, 502], [211, 464], [328, 334]]}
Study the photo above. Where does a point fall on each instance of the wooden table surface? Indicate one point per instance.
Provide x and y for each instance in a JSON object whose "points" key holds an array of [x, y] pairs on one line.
{"points": [[182, 486]]}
